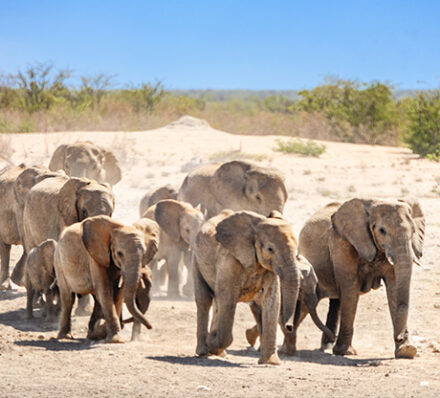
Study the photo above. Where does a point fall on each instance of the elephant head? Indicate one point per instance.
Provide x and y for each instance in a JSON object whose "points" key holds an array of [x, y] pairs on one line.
{"points": [[240, 185], [254, 241], [109, 242], [30, 177], [80, 198], [85, 159], [151, 229], [158, 194], [394, 229], [179, 220]]}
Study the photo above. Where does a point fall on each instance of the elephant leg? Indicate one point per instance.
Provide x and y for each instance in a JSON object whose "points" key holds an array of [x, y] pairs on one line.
{"points": [[94, 331], [188, 288], [349, 300], [5, 252], [203, 298], [84, 305], [255, 331], [173, 260], [67, 299], [221, 337], [403, 348], [50, 305], [270, 314], [18, 271], [105, 296], [30, 300], [332, 322], [289, 343]]}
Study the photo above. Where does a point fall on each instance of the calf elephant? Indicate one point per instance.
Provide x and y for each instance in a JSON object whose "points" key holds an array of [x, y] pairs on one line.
{"points": [[352, 247], [15, 184], [39, 275], [237, 257], [236, 185], [179, 223], [307, 302], [90, 257], [85, 159], [156, 195]]}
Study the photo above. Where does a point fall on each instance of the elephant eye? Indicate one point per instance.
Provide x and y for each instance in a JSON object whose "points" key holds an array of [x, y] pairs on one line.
{"points": [[382, 231], [120, 254], [258, 197], [270, 249]]}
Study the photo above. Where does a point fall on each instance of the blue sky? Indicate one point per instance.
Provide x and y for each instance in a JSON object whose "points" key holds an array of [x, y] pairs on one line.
{"points": [[223, 44]]}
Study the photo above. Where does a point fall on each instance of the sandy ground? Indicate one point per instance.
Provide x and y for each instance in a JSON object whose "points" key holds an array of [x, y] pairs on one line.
{"points": [[32, 364]]}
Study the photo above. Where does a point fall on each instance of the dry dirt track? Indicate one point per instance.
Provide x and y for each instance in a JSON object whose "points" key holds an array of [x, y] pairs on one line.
{"points": [[163, 364]]}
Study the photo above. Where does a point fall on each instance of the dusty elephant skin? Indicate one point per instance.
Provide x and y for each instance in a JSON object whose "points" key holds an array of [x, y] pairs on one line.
{"points": [[179, 224], [91, 257], [39, 275], [155, 195], [352, 247], [236, 185], [237, 256], [86, 159]]}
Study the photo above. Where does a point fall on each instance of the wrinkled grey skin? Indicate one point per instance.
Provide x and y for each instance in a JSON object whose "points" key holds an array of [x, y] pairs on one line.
{"points": [[238, 257], [179, 224], [352, 247], [236, 185], [15, 184], [57, 202], [90, 258], [85, 159], [154, 196], [307, 302], [39, 275]]}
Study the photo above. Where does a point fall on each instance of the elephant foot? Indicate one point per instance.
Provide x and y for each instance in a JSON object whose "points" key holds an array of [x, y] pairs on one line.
{"points": [[405, 351], [327, 347], [271, 360], [287, 350], [6, 285], [29, 317], [99, 331], [115, 339], [344, 349], [202, 350], [252, 335], [65, 335]]}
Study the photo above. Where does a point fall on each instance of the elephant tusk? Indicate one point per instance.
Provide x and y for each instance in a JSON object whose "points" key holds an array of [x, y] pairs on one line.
{"points": [[417, 262]]}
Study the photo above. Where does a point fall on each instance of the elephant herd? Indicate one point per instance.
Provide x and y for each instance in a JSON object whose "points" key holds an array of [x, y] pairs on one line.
{"points": [[225, 224]]}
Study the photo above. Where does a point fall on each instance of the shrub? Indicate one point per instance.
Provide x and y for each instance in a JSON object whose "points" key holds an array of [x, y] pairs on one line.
{"points": [[306, 148], [423, 130]]}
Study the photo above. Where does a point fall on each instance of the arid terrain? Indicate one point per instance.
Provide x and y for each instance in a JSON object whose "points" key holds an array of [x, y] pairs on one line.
{"points": [[34, 364]]}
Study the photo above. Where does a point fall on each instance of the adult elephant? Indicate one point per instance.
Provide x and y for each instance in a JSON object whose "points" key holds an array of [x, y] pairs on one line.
{"points": [[352, 247], [15, 184], [91, 257], [236, 185], [238, 257], [57, 202], [85, 159]]}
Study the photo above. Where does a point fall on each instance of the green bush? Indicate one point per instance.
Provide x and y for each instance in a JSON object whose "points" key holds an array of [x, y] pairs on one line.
{"points": [[306, 148], [423, 129]]}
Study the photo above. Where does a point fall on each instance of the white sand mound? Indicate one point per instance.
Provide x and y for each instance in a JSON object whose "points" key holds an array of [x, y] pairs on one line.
{"points": [[189, 121]]}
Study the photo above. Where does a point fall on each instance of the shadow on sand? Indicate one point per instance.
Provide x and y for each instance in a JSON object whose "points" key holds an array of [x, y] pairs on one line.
{"points": [[196, 361], [58, 345]]}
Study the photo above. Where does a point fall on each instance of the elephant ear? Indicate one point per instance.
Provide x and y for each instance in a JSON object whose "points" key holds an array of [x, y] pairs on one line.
{"points": [[96, 236], [67, 198], [237, 234], [151, 231], [167, 214], [111, 166], [58, 158], [418, 219], [351, 221], [229, 181]]}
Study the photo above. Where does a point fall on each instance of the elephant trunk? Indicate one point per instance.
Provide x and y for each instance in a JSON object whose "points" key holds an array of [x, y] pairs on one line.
{"points": [[311, 303], [131, 278], [402, 270], [290, 282]]}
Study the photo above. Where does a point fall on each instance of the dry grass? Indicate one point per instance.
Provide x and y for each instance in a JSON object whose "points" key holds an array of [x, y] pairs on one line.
{"points": [[236, 155]]}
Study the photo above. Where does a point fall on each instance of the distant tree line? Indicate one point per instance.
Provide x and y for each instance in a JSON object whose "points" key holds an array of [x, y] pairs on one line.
{"points": [[41, 97]]}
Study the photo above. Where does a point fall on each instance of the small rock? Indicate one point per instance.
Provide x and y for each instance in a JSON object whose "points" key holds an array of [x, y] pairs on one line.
{"points": [[424, 383], [203, 388], [369, 363], [437, 306], [435, 346], [41, 337], [111, 353]]}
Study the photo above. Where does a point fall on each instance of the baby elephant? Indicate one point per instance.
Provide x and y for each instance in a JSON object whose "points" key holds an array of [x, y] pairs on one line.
{"points": [[39, 276], [307, 302]]}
